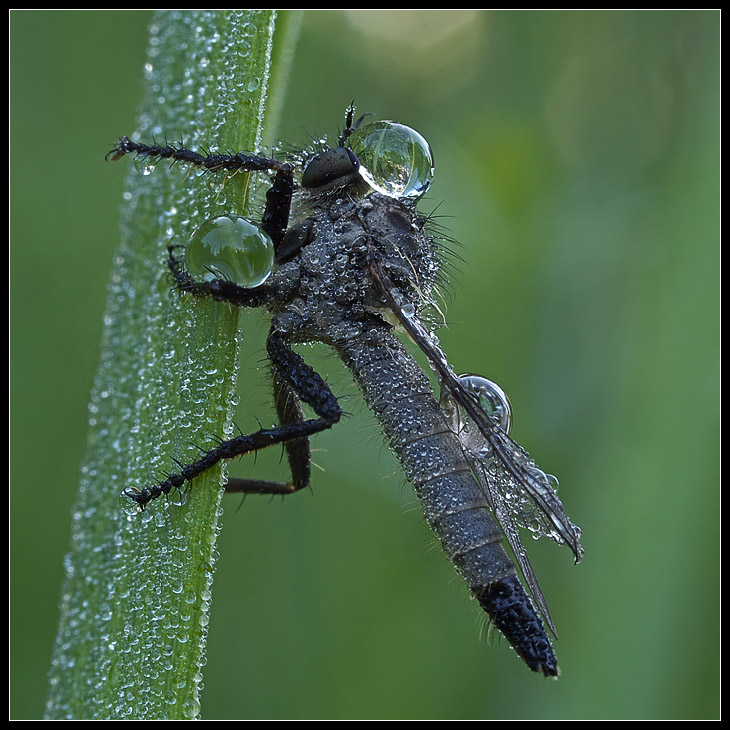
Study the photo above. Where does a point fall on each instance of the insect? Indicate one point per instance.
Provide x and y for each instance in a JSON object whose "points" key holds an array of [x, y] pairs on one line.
{"points": [[343, 257]]}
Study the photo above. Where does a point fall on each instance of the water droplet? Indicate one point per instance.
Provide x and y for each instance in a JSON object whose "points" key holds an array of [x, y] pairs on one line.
{"points": [[178, 497], [249, 29], [144, 165], [394, 159], [191, 707], [492, 399], [127, 503], [232, 248]]}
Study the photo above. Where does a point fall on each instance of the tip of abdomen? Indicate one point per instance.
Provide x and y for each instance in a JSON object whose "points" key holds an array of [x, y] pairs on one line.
{"points": [[511, 611]]}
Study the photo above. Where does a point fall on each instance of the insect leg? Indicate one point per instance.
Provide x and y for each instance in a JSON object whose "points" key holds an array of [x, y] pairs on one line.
{"points": [[299, 379], [278, 199], [298, 455], [275, 219], [218, 289], [239, 162]]}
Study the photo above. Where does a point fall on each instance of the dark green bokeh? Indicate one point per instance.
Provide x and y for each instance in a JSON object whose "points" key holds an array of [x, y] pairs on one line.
{"points": [[577, 162]]}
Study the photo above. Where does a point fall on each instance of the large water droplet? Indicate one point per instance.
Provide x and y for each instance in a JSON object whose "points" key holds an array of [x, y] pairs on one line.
{"points": [[394, 159], [492, 399], [232, 248]]}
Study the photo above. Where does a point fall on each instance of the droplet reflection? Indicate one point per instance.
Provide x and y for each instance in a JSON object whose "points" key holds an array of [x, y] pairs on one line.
{"points": [[232, 248], [394, 159]]}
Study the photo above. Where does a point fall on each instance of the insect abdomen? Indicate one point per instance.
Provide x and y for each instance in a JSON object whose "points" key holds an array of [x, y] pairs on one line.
{"points": [[401, 397]]}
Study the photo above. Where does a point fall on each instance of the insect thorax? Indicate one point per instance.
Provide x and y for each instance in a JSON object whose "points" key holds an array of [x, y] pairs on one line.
{"points": [[331, 277]]}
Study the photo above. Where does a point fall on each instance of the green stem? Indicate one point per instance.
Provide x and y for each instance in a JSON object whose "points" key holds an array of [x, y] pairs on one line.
{"points": [[136, 601]]}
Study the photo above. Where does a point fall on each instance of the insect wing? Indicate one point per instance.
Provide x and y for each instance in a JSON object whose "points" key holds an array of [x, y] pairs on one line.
{"points": [[532, 496], [528, 494], [501, 513], [518, 491]]}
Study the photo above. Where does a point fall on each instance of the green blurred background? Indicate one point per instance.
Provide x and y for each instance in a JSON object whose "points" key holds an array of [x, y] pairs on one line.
{"points": [[578, 163]]}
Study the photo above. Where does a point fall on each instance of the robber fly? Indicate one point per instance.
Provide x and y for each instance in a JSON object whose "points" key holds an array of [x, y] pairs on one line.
{"points": [[343, 257]]}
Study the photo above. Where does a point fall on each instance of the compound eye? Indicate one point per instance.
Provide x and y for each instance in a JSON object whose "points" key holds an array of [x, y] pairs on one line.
{"points": [[330, 165]]}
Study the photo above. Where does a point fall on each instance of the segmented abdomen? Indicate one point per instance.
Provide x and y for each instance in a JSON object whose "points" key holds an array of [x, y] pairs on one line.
{"points": [[401, 397]]}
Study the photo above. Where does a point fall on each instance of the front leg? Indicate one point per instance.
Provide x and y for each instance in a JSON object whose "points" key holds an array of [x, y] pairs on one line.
{"points": [[275, 220], [218, 289]]}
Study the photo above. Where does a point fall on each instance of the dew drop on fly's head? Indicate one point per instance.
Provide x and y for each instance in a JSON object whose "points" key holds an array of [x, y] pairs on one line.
{"points": [[232, 248], [394, 159]]}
